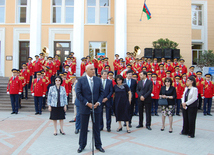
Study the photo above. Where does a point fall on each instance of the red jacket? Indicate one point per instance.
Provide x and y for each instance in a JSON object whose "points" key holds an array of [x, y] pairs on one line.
{"points": [[160, 75], [199, 85], [26, 75], [38, 88], [128, 60], [100, 68], [57, 64], [179, 89], [208, 89], [148, 67], [95, 61], [52, 68], [31, 68], [115, 64], [156, 89], [65, 84], [82, 67], [37, 66], [14, 86], [190, 74], [183, 69], [169, 67], [155, 67]]}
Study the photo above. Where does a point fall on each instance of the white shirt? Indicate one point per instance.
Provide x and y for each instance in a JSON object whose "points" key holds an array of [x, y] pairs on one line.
{"points": [[104, 80], [89, 81], [129, 81]]}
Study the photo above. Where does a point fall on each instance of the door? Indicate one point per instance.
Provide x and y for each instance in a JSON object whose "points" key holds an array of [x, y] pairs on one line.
{"points": [[24, 49], [63, 49]]}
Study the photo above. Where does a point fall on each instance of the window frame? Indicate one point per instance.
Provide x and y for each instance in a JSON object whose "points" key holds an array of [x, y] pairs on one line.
{"points": [[197, 11], [97, 48], [97, 13], [63, 12], [198, 53], [4, 6], [28, 13]]}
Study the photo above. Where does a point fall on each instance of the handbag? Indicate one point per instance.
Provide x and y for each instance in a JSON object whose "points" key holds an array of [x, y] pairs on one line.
{"points": [[163, 101]]}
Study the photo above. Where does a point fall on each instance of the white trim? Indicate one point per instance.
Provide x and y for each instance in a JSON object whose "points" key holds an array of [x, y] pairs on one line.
{"points": [[2, 39], [16, 39], [52, 32]]}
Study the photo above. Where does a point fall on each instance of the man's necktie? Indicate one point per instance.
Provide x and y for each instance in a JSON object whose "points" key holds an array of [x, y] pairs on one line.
{"points": [[13, 78], [143, 83], [128, 83]]}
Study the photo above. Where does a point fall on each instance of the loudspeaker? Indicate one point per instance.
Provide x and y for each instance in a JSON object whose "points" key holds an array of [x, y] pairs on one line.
{"points": [[148, 53], [176, 53], [168, 53], [158, 53]]}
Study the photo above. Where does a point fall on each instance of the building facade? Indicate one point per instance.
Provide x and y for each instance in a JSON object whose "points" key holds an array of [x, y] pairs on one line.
{"points": [[88, 27]]}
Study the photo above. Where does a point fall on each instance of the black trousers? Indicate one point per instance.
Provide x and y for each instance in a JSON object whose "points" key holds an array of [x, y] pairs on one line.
{"points": [[200, 101], [84, 119], [189, 119], [148, 113]]}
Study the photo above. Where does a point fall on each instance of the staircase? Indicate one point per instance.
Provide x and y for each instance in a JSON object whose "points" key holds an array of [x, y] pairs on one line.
{"points": [[26, 105]]}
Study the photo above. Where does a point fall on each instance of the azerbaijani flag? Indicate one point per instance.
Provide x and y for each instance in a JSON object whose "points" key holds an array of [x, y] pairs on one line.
{"points": [[146, 10]]}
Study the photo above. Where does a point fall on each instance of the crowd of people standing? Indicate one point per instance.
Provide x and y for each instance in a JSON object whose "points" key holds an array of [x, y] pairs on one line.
{"points": [[124, 91]]}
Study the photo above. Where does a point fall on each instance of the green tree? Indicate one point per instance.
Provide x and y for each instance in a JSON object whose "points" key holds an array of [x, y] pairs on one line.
{"points": [[164, 43], [205, 59]]}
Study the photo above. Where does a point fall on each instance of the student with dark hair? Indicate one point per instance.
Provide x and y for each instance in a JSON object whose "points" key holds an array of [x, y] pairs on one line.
{"points": [[57, 104], [189, 103]]}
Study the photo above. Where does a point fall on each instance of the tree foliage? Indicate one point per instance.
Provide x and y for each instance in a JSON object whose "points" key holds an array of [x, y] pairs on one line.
{"points": [[164, 43], [205, 59]]}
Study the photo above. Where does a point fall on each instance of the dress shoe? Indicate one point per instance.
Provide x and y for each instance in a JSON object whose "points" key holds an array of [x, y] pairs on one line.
{"points": [[80, 150], [61, 132], [101, 149], [77, 131], [149, 128], [118, 130], [209, 114], [128, 131], [40, 113], [16, 112], [178, 114], [170, 131], [72, 121], [109, 130], [55, 134], [36, 113], [156, 115], [139, 126], [101, 129], [152, 114], [130, 125], [205, 114], [26, 98], [124, 124], [199, 109], [13, 112]]}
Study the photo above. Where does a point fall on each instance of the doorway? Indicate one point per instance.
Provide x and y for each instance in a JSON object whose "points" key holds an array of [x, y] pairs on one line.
{"points": [[63, 49], [24, 49]]}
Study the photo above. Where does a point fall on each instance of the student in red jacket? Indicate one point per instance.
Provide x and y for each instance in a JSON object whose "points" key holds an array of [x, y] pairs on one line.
{"points": [[199, 81], [37, 65], [14, 88], [179, 91], [25, 73], [208, 89], [38, 91], [30, 67], [155, 94]]}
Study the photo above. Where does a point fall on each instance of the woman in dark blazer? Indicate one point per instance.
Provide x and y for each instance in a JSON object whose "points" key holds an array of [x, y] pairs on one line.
{"points": [[57, 104], [189, 104], [168, 92]]}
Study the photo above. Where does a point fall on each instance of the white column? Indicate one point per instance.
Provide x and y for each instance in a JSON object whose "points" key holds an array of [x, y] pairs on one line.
{"points": [[35, 27], [78, 33], [120, 28]]}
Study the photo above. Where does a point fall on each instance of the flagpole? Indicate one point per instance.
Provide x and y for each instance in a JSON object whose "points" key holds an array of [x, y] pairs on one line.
{"points": [[142, 11]]}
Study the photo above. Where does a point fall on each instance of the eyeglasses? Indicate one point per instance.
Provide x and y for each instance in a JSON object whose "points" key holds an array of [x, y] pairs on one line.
{"points": [[57, 80]]}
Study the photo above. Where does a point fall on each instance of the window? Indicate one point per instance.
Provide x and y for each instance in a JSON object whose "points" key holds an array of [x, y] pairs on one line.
{"points": [[63, 11], [197, 15], [98, 11], [97, 47], [196, 52], [2, 11], [23, 11]]}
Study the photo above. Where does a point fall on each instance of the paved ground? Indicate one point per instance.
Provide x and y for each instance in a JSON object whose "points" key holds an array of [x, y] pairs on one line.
{"points": [[26, 133]]}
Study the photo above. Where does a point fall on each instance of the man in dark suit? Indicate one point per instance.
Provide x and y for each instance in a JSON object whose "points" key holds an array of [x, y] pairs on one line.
{"points": [[108, 90], [144, 90], [132, 85], [89, 92]]}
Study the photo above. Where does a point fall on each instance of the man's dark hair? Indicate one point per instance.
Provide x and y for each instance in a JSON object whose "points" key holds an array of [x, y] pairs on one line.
{"points": [[129, 71], [144, 72]]}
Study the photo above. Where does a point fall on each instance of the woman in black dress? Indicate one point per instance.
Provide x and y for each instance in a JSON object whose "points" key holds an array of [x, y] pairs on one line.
{"points": [[168, 92], [57, 104], [122, 101], [189, 104]]}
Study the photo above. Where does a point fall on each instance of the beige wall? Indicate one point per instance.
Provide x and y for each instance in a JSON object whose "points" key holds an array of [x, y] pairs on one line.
{"points": [[196, 34], [210, 5], [170, 19]]}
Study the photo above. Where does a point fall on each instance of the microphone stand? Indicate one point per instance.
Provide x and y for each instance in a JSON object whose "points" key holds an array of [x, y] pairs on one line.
{"points": [[93, 118]]}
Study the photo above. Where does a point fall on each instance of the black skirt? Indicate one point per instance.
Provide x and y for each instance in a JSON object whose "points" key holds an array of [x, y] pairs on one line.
{"points": [[57, 113]]}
